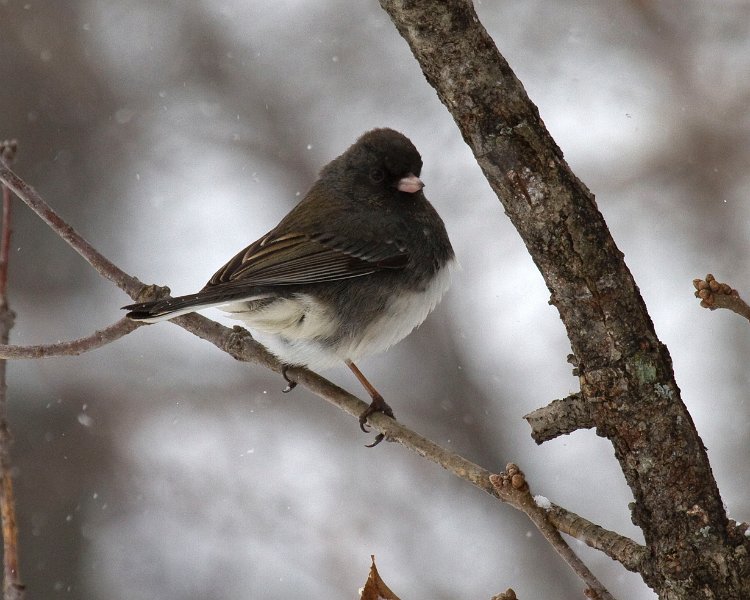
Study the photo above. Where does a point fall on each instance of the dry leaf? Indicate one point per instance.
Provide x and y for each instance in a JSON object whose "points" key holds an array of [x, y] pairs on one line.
{"points": [[375, 588]]}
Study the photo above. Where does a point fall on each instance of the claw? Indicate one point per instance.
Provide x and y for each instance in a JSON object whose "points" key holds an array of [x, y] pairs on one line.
{"points": [[290, 384], [378, 438], [377, 405]]}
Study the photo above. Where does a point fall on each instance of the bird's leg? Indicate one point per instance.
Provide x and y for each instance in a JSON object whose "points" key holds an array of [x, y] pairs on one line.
{"points": [[290, 384], [378, 404]]}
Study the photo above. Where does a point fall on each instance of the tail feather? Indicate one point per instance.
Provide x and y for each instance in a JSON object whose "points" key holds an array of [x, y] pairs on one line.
{"points": [[169, 308]]}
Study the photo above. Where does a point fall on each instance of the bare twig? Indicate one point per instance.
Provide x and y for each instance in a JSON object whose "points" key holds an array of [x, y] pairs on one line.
{"points": [[620, 548], [7, 153], [103, 266], [96, 340], [511, 485], [13, 588], [715, 295]]}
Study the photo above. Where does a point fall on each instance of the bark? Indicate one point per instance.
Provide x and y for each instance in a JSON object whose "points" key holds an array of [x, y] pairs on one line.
{"points": [[625, 372]]}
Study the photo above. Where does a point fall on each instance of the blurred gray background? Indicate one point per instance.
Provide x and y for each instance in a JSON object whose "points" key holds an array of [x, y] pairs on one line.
{"points": [[171, 134]]}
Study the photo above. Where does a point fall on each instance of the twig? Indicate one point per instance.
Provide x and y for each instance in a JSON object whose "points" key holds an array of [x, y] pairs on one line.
{"points": [[618, 547], [13, 588], [512, 485], [715, 295], [103, 266], [96, 340], [7, 152]]}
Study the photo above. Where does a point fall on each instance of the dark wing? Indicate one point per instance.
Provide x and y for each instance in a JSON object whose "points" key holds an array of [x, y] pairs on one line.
{"points": [[287, 259], [298, 258]]}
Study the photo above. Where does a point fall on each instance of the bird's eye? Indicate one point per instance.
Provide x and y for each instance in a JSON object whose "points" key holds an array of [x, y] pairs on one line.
{"points": [[377, 175]]}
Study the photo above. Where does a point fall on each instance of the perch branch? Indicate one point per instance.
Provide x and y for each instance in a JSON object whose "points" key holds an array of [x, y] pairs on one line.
{"points": [[239, 344]]}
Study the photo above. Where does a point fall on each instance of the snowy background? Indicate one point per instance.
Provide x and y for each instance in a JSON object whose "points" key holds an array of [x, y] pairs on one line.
{"points": [[171, 134]]}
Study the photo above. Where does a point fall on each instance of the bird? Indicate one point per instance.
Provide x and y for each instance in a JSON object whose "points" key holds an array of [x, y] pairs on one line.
{"points": [[351, 270]]}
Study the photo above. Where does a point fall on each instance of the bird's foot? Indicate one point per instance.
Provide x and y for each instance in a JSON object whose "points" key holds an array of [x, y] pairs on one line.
{"points": [[378, 404]]}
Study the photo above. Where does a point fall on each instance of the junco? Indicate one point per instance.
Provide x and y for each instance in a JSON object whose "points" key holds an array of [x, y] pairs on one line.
{"points": [[351, 270]]}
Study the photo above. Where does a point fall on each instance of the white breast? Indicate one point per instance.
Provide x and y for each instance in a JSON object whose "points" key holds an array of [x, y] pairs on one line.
{"points": [[291, 328], [402, 315]]}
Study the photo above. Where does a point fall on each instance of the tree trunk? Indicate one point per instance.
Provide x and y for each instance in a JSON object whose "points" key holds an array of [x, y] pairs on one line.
{"points": [[625, 372]]}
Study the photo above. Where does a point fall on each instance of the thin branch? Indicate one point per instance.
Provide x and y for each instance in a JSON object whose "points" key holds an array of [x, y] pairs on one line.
{"points": [[13, 588], [715, 295], [618, 547], [99, 338], [512, 485], [103, 266], [7, 152]]}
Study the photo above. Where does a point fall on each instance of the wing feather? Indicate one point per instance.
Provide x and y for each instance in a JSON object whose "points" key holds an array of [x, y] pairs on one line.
{"points": [[298, 258]]}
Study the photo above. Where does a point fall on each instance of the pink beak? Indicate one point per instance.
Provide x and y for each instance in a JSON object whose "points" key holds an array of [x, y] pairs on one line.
{"points": [[410, 184]]}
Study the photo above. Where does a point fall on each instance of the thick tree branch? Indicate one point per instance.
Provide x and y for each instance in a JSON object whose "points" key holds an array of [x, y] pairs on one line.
{"points": [[625, 371]]}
